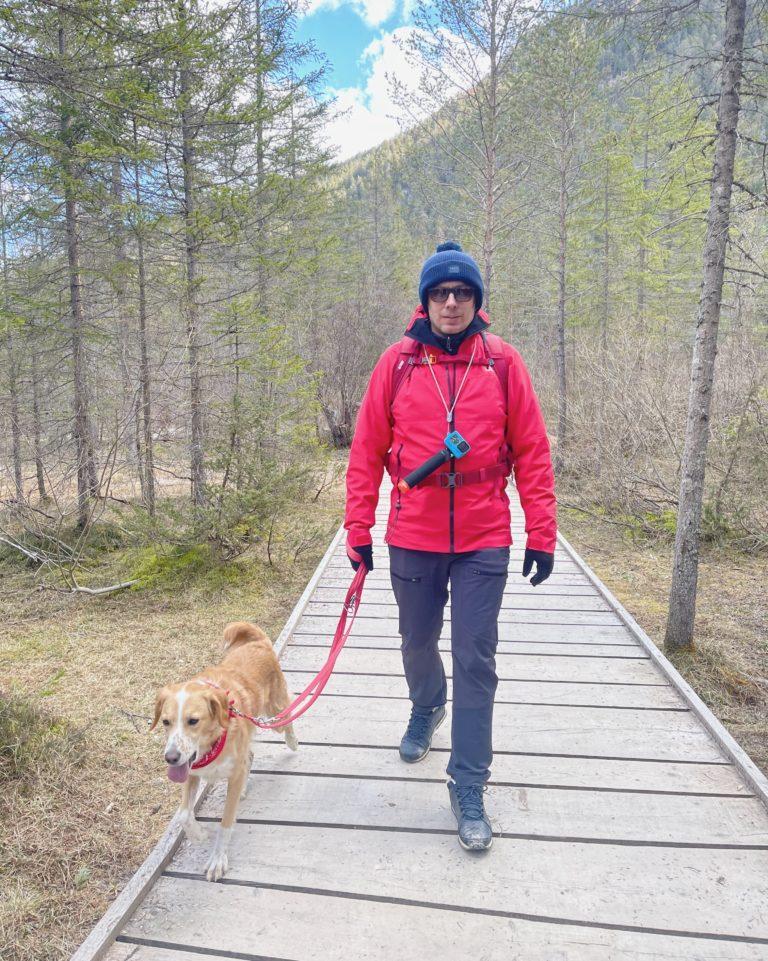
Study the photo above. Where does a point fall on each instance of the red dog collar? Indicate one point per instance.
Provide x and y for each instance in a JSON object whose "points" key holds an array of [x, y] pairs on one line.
{"points": [[212, 754]]}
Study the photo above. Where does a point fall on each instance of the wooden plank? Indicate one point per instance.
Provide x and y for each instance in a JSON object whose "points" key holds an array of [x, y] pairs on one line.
{"points": [[550, 648], [619, 696], [375, 597], [379, 580], [370, 610], [424, 866], [540, 633], [565, 568], [611, 775], [523, 811], [533, 729], [511, 666], [259, 923], [374, 626], [614, 639], [516, 587]]}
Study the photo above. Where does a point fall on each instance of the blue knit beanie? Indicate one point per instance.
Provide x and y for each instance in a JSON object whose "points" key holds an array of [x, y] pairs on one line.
{"points": [[449, 262]]}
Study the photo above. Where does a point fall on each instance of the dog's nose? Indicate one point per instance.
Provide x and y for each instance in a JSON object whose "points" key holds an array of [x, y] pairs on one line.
{"points": [[172, 756]]}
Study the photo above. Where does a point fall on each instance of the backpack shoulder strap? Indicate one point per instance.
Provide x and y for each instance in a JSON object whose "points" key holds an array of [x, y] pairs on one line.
{"points": [[494, 348], [403, 366]]}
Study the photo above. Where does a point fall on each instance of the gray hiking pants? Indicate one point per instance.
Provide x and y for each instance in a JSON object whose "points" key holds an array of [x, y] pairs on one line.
{"points": [[420, 581]]}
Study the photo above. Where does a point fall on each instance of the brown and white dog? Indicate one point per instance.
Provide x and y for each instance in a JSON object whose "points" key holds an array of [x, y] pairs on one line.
{"points": [[202, 740]]}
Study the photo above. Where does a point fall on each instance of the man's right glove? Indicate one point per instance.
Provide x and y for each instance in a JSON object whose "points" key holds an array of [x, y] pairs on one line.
{"points": [[544, 564], [361, 554]]}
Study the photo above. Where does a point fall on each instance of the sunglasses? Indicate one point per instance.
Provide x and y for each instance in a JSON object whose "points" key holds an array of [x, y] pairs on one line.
{"points": [[441, 294]]}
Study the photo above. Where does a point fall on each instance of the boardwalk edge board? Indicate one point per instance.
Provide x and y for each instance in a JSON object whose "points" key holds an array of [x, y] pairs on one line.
{"points": [[104, 933], [741, 760]]}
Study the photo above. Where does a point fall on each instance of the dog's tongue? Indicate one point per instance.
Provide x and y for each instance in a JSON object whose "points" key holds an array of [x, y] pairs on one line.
{"points": [[179, 772]]}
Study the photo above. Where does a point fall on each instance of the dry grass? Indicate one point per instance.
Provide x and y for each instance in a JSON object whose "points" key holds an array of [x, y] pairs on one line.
{"points": [[85, 797], [729, 668]]}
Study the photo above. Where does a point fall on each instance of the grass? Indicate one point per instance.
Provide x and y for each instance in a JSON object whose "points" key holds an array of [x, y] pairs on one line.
{"points": [[83, 792]]}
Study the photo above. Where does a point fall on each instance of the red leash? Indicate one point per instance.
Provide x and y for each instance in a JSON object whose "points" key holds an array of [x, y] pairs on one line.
{"points": [[314, 689]]}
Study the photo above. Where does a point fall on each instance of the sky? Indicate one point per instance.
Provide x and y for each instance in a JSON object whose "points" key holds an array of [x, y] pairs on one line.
{"points": [[358, 37]]}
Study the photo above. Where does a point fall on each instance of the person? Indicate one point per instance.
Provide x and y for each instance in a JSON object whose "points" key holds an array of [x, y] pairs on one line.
{"points": [[454, 528]]}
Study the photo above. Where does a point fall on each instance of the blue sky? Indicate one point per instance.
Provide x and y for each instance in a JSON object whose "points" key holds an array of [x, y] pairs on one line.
{"points": [[359, 38], [342, 34]]}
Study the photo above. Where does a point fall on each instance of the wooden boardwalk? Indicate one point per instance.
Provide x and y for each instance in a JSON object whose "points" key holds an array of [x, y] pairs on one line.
{"points": [[628, 825]]}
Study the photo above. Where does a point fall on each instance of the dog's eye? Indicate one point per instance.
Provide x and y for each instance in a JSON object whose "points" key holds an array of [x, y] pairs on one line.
{"points": [[192, 721], [166, 722]]}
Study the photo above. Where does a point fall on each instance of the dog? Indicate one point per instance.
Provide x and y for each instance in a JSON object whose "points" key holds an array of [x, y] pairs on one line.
{"points": [[204, 740]]}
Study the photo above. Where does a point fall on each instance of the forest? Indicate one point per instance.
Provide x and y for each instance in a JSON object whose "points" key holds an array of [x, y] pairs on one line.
{"points": [[194, 294]]}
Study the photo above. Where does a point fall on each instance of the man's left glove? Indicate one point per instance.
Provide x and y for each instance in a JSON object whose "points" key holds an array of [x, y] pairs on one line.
{"points": [[544, 564], [361, 554]]}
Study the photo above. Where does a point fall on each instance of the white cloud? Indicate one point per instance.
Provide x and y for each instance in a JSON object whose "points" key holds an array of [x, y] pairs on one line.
{"points": [[389, 61], [370, 113], [373, 12], [356, 126]]}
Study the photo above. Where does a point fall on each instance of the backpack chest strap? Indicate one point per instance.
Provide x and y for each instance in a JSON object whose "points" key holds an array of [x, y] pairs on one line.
{"points": [[413, 354], [452, 478]]}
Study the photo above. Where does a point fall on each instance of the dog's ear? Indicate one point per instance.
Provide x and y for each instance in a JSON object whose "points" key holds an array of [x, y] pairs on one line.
{"points": [[162, 694], [218, 705]]}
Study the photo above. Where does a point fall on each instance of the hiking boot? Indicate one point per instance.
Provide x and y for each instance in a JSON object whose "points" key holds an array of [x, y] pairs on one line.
{"points": [[417, 739], [474, 827]]}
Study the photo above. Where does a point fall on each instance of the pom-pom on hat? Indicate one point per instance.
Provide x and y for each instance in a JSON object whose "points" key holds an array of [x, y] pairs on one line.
{"points": [[449, 262]]}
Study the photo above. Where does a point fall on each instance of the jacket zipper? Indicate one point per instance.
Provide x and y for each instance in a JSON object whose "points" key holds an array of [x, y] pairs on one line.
{"points": [[398, 503]]}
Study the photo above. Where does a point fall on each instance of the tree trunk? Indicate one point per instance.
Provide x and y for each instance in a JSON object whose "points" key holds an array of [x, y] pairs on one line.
{"points": [[682, 600], [36, 426], [87, 483], [119, 283], [606, 261], [641, 266], [192, 249], [235, 441], [145, 376], [237, 427], [562, 411], [13, 363], [261, 272], [604, 313], [489, 234]]}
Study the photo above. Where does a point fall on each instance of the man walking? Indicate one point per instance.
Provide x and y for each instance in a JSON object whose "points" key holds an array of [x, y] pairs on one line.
{"points": [[453, 528]]}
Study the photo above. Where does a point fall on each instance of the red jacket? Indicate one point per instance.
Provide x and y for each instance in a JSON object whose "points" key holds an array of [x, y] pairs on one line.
{"points": [[401, 434]]}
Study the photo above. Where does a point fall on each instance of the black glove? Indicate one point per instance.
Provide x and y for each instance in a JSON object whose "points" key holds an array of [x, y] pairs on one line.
{"points": [[364, 553], [544, 564]]}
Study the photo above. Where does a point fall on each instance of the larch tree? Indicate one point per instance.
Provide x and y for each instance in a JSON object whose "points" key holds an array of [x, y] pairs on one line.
{"points": [[682, 599], [462, 50]]}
